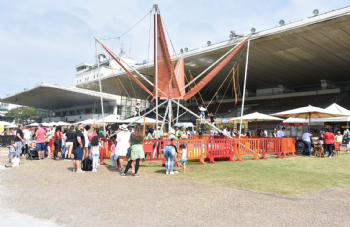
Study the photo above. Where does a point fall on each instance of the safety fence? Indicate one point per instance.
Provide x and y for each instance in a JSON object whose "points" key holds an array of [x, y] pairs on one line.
{"points": [[213, 150]]}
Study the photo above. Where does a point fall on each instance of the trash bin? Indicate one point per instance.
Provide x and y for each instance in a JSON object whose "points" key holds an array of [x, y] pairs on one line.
{"points": [[299, 148]]}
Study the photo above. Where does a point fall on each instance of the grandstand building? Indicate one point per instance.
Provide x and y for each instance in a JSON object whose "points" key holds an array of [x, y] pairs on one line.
{"points": [[292, 65]]}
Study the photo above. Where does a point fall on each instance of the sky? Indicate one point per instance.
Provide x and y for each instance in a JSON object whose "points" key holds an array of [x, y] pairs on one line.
{"points": [[43, 41]]}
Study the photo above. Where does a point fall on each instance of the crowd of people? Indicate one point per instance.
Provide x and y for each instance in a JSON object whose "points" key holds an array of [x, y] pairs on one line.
{"points": [[328, 139]]}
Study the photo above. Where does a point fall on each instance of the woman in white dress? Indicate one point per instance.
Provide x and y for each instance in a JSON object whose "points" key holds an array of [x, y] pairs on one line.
{"points": [[123, 144]]}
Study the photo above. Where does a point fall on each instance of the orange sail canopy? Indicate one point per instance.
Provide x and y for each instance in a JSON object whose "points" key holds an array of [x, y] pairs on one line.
{"points": [[213, 73], [126, 70], [166, 75], [180, 79]]}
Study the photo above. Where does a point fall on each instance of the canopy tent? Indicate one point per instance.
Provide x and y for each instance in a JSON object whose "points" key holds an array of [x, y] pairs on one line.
{"points": [[257, 117], [85, 122], [145, 120], [5, 123], [300, 122], [308, 112], [110, 119], [34, 124], [338, 109], [61, 123]]}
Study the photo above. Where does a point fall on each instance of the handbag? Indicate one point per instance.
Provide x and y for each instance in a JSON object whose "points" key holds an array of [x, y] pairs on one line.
{"points": [[47, 140], [128, 154]]}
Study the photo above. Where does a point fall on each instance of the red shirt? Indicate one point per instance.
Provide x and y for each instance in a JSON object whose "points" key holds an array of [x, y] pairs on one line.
{"points": [[58, 134], [40, 135], [328, 138]]}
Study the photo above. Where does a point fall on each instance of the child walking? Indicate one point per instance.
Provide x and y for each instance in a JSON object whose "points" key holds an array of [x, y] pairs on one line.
{"points": [[114, 157], [95, 153], [183, 153]]}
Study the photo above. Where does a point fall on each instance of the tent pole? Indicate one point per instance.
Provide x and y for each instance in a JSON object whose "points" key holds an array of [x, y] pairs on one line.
{"points": [[177, 115], [99, 81], [245, 82], [140, 117], [155, 58], [170, 114]]}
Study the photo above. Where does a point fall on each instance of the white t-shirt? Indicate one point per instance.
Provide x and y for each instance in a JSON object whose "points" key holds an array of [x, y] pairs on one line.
{"points": [[202, 109], [280, 134], [95, 150], [27, 134], [306, 137], [15, 162], [184, 154]]}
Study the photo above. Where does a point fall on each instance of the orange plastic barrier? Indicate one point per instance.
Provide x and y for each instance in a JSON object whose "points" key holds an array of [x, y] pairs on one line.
{"points": [[220, 149], [154, 149], [195, 149], [270, 146], [247, 147], [288, 146]]}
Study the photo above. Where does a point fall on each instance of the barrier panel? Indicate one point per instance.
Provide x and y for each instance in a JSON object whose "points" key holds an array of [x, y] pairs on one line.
{"points": [[6, 140], [154, 149], [195, 149], [247, 147], [200, 137], [288, 146], [271, 145], [105, 150], [220, 149]]}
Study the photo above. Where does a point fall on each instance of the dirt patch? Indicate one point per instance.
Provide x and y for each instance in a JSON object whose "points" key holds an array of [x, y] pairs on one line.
{"points": [[49, 190]]}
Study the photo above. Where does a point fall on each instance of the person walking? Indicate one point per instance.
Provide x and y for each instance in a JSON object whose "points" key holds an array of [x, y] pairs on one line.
{"points": [[137, 153], [307, 142], [78, 148], [40, 141], [19, 140], [123, 138], [169, 154], [57, 142], [328, 142]]}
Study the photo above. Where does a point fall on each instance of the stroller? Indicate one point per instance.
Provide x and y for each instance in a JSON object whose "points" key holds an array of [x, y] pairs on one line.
{"points": [[32, 152]]}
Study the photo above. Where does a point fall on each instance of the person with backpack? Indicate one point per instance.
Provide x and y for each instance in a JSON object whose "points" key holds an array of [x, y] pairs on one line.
{"points": [[95, 153]]}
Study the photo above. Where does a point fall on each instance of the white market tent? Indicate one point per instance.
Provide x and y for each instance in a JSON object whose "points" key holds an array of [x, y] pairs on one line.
{"points": [[11, 126], [185, 125], [61, 123], [338, 109], [85, 122]]}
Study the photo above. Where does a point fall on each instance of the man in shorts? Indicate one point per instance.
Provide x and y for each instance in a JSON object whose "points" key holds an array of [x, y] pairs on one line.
{"points": [[40, 141], [78, 149]]}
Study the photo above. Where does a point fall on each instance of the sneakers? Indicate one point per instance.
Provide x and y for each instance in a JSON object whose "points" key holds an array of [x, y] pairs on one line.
{"points": [[330, 156], [80, 171], [166, 172], [122, 175], [133, 170], [74, 170], [176, 171], [311, 156], [136, 175], [171, 173], [94, 170]]}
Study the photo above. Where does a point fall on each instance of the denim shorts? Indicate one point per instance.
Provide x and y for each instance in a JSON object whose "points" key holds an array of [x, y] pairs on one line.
{"points": [[40, 147], [78, 153]]}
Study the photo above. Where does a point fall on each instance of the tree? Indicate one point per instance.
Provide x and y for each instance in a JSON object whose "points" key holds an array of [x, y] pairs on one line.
{"points": [[21, 114]]}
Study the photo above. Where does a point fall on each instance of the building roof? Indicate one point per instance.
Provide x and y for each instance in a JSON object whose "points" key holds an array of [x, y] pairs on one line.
{"points": [[299, 53], [52, 96]]}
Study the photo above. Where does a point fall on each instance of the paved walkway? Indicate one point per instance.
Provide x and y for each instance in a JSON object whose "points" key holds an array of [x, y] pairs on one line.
{"points": [[48, 190]]}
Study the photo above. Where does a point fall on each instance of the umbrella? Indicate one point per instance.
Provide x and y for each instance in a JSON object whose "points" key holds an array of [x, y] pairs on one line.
{"points": [[61, 123], [145, 120], [308, 112], [5, 123], [11, 126], [86, 122], [257, 117], [34, 124]]}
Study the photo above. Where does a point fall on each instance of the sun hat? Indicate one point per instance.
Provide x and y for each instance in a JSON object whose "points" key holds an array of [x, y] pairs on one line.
{"points": [[123, 127]]}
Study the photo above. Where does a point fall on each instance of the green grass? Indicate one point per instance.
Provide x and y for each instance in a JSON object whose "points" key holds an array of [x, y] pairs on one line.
{"points": [[292, 177]]}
